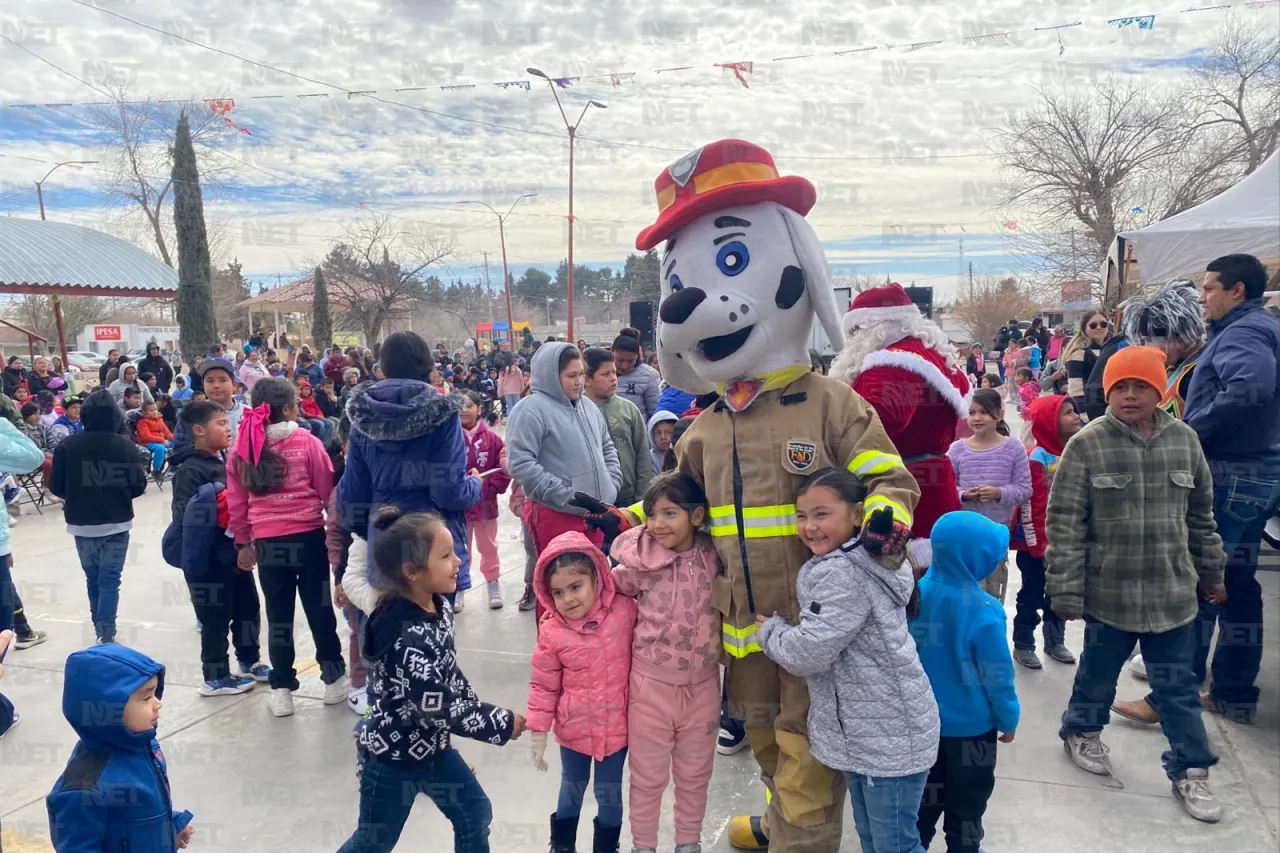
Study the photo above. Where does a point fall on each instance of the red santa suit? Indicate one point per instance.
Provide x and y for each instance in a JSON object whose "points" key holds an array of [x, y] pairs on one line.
{"points": [[919, 397]]}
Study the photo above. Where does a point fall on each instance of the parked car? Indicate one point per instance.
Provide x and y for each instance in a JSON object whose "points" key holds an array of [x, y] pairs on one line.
{"points": [[86, 356]]}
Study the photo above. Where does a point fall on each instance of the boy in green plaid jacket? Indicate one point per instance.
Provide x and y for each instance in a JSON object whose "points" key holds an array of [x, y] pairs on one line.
{"points": [[1131, 537]]}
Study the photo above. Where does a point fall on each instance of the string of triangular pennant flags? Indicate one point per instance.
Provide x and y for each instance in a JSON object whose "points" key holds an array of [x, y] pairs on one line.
{"points": [[741, 70]]}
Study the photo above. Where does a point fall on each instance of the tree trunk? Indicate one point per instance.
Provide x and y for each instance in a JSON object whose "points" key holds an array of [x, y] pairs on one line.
{"points": [[198, 329], [321, 321]]}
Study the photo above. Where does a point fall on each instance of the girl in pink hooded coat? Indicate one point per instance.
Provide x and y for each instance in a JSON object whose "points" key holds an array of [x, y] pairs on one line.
{"points": [[578, 685], [674, 714]]}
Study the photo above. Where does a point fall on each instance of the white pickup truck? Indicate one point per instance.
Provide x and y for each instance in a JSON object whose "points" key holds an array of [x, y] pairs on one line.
{"points": [[818, 337]]}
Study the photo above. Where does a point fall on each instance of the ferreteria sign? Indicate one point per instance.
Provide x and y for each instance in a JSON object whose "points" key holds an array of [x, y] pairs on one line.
{"points": [[146, 331]]}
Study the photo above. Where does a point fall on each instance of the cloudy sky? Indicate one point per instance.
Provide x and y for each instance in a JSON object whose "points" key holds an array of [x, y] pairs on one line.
{"points": [[896, 139]]}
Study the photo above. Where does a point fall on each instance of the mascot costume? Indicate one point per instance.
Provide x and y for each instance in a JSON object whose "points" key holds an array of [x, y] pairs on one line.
{"points": [[743, 277], [902, 363]]}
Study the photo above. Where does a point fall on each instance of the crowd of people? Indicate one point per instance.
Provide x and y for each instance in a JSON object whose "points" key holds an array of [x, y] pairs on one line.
{"points": [[368, 482]]}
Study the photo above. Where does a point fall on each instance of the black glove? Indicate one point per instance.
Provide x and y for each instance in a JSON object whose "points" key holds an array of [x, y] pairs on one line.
{"points": [[883, 534], [600, 515]]}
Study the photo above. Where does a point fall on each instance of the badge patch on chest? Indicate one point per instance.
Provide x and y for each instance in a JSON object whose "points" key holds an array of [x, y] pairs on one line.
{"points": [[800, 456]]}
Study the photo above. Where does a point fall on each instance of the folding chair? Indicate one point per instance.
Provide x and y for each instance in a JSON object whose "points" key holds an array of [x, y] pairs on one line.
{"points": [[31, 490]]}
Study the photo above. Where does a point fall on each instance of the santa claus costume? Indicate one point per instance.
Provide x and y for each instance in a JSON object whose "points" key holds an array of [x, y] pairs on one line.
{"points": [[903, 365]]}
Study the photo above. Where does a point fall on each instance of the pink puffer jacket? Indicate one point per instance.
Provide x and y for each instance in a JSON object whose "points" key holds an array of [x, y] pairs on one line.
{"points": [[677, 636], [582, 668]]}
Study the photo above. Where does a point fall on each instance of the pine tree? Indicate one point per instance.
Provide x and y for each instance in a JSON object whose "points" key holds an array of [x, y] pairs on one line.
{"points": [[321, 321], [198, 327]]}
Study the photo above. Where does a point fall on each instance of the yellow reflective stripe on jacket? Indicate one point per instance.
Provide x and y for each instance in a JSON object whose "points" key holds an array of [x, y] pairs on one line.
{"points": [[637, 509], [876, 502], [738, 642], [874, 462], [758, 522]]}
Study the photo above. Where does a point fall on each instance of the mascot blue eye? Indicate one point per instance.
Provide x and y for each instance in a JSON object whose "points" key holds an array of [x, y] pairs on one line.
{"points": [[732, 258], [676, 284]]}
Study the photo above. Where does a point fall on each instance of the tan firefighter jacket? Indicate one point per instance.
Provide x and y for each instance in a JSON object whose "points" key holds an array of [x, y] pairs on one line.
{"points": [[750, 463]]}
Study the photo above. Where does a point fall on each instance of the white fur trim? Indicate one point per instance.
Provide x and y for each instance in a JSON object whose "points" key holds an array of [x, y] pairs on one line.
{"points": [[926, 370], [860, 318]]}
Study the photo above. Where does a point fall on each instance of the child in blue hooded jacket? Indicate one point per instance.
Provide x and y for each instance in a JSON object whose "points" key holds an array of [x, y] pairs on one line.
{"points": [[114, 793], [960, 635]]}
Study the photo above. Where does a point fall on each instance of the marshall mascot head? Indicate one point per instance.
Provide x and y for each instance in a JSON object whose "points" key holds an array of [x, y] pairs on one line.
{"points": [[743, 274], [883, 316]]}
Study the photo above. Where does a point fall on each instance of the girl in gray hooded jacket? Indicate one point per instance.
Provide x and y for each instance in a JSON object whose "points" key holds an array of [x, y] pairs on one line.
{"points": [[872, 713]]}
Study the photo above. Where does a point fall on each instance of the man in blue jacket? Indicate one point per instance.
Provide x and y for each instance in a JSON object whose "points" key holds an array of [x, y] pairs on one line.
{"points": [[1233, 404], [114, 793], [406, 450]]}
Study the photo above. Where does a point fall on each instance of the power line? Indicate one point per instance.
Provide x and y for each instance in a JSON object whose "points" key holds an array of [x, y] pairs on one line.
{"points": [[439, 114]]}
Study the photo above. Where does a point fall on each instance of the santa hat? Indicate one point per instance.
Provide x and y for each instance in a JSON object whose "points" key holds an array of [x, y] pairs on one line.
{"points": [[879, 304]]}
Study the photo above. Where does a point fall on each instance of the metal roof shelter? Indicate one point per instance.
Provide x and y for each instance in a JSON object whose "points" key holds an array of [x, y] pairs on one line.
{"points": [[57, 259], [295, 297]]}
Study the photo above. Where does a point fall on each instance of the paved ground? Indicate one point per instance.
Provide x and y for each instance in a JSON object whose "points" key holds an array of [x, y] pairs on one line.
{"points": [[258, 784]]}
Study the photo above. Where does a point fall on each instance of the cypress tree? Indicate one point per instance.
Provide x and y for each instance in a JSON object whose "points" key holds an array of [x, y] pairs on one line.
{"points": [[321, 322], [197, 324]]}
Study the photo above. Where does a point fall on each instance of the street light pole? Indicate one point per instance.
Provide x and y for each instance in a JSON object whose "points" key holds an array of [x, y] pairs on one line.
{"points": [[506, 276], [573, 132], [40, 190]]}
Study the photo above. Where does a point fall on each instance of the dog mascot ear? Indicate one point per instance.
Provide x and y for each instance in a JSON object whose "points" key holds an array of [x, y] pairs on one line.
{"points": [[813, 260]]}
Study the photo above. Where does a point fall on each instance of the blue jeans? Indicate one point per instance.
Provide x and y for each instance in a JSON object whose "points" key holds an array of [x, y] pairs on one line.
{"points": [[321, 428], [8, 594], [1244, 497], [387, 792], [102, 558], [158, 453], [575, 773], [1174, 691], [508, 403], [885, 809]]}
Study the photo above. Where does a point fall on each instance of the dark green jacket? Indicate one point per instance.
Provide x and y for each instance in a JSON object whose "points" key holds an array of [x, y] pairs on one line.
{"points": [[1131, 529], [626, 427]]}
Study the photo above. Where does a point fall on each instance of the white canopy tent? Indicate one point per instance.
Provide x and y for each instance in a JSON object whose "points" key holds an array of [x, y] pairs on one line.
{"points": [[1244, 219]]}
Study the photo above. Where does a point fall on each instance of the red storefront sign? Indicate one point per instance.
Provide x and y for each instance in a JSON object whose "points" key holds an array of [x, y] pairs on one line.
{"points": [[106, 333]]}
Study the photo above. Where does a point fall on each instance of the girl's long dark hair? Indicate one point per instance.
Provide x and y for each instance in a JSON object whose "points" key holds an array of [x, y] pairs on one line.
{"points": [[268, 475], [404, 539], [988, 399], [851, 490]]}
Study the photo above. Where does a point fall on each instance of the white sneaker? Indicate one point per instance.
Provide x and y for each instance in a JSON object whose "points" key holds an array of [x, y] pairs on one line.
{"points": [[336, 693], [1138, 668], [1197, 800], [281, 702], [457, 600], [495, 595], [358, 701]]}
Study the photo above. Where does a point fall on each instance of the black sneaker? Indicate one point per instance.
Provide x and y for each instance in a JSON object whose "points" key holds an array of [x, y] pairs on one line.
{"points": [[731, 740], [528, 601], [29, 639]]}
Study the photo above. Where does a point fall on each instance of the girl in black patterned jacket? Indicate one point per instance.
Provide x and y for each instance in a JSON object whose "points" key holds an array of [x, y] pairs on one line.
{"points": [[420, 695]]}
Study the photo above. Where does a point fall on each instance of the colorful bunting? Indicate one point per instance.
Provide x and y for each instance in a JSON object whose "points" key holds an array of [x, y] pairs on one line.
{"points": [[222, 108], [1144, 22], [1010, 225], [739, 69]]}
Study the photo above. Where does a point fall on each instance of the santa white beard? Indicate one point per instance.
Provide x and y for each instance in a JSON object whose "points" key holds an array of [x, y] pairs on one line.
{"points": [[877, 336]]}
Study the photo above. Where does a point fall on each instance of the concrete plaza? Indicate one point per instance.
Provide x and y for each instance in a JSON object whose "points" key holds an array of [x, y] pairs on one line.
{"points": [[258, 784]]}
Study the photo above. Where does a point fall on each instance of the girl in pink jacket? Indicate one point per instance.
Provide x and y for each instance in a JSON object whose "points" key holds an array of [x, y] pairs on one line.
{"points": [[485, 453], [278, 480], [581, 668], [674, 716]]}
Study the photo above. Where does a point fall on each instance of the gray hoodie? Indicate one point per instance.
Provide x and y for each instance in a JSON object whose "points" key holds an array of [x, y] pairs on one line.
{"points": [[871, 709], [556, 447], [641, 386], [658, 459]]}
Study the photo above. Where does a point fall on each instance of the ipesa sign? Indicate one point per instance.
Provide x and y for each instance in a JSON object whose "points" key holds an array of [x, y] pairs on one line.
{"points": [[107, 333]]}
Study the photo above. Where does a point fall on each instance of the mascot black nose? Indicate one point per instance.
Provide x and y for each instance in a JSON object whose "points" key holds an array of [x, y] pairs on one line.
{"points": [[677, 307]]}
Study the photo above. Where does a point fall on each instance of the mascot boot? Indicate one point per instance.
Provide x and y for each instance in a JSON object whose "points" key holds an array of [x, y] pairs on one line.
{"points": [[743, 278]]}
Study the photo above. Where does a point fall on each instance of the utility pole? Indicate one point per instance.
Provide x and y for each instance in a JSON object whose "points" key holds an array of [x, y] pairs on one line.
{"points": [[960, 268], [971, 279]]}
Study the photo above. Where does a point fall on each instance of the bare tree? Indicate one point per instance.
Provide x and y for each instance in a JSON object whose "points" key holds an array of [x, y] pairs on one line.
{"points": [[993, 302], [1239, 86], [1084, 165], [136, 158], [35, 313], [377, 271]]}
